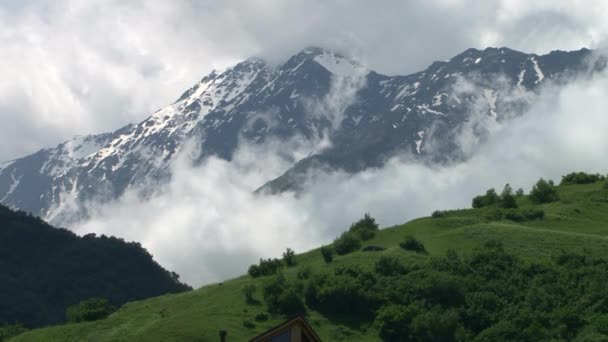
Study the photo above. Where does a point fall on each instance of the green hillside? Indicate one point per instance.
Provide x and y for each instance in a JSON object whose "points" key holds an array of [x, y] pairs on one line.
{"points": [[487, 274], [44, 270]]}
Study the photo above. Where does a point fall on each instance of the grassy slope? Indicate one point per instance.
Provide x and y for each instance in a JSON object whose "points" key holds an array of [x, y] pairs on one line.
{"points": [[578, 222]]}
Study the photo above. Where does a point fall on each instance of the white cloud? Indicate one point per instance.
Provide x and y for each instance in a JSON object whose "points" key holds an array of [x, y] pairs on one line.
{"points": [[77, 67], [208, 226]]}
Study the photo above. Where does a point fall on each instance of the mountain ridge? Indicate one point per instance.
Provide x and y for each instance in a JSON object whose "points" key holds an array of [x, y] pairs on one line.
{"points": [[316, 94]]}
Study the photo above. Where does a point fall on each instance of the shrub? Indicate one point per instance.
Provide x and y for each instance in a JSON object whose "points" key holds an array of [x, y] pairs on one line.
{"points": [[265, 267], [304, 273], [261, 317], [544, 192], [89, 310], [366, 227], [439, 213], [581, 178], [282, 297], [373, 248], [507, 198], [328, 254], [248, 291], [410, 243], [393, 322], [491, 197], [289, 256], [524, 215], [248, 324], [347, 243], [389, 265]]}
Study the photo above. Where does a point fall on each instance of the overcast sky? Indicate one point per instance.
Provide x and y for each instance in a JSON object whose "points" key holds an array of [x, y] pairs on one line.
{"points": [[76, 67]]}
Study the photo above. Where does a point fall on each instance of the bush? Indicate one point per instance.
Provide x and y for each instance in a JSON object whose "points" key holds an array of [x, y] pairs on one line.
{"points": [[304, 273], [262, 317], [373, 248], [524, 215], [366, 227], [248, 324], [89, 310], [265, 267], [248, 291], [491, 197], [410, 243], [581, 178], [393, 322], [289, 256], [347, 242], [328, 253], [507, 198], [544, 192], [439, 213], [389, 265], [282, 297]]}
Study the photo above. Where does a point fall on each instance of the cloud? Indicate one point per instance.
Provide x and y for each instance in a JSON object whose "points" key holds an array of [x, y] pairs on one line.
{"points": [[208, 226], [73, 67]]}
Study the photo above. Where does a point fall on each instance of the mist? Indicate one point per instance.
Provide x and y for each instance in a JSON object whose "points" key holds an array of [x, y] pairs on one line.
{"points": [[208, 226]]}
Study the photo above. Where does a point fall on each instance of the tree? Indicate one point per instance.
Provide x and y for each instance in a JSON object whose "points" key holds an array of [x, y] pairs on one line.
{"points": [[347, 242], [328, 253], [366, 227], [289, 257], [491, 197], [544, 192], [89, 310], [507, 199]]}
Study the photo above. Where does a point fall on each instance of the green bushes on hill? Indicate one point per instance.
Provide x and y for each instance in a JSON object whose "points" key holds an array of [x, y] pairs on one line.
{"points": [[491, 295], [265, 267], [346, 243], [328, 253], [366, 227], [89, 310], [506, 199], [581, 178], [517, 215], [544, 192], [283, 297], [410, 243]]}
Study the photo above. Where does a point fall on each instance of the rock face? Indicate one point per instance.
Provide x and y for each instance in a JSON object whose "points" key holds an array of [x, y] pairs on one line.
{"points": [[315, 95]]}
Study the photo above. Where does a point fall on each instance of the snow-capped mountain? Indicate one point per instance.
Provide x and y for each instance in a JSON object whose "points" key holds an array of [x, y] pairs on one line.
{"points": [[316, 94]]}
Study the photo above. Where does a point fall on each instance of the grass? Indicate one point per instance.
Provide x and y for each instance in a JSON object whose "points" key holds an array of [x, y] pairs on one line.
{"points": [[578, 222]]}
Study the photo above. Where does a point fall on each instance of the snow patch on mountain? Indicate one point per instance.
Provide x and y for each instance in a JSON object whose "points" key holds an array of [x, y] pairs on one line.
{"points": [[539, 73]]}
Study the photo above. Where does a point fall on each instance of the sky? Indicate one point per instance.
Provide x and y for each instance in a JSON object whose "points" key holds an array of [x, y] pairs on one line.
{"points": [[73, 67]]}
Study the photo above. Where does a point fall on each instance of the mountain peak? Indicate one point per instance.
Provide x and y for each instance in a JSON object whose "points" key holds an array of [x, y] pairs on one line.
{"points": [[336, 63]]}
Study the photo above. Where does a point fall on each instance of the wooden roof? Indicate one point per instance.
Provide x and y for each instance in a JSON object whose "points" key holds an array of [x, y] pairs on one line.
{"points": [[283, 326]]}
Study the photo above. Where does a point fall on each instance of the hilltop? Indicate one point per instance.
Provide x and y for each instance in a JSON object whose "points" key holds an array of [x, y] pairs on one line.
{"points": [[535, 272], [44, 270]]}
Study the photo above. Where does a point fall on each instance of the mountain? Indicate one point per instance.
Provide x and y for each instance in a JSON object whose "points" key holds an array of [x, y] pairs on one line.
{"points": [[316, 96], [532, 273], [43, 270]]}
